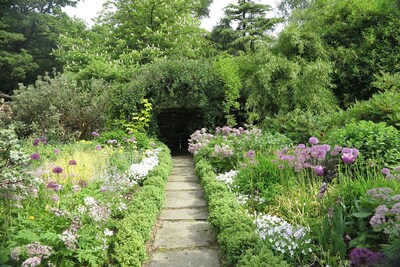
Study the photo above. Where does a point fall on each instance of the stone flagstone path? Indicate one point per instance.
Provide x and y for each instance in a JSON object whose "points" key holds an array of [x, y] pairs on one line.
{"points": [[184, 237]]}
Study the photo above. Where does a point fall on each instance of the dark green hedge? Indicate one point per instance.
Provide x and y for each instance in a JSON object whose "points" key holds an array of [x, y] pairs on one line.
{"points": [[134, 230], [237, 238]]}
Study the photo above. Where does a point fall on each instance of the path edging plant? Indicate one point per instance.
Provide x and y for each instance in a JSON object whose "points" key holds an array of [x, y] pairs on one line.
{"points": [[239, 243], [134, 230]]}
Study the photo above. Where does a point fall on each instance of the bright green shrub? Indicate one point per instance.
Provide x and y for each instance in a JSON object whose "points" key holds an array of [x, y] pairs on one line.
{"points": [[381, 107], [61, 108], [235, 241], [129, 248], [261, 256], [373, 140], [156, 181], [299, 125]]}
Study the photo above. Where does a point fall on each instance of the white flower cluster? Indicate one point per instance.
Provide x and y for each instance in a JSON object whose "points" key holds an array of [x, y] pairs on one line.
{"points": [[227, 178], [283, 236], [139, 171]]}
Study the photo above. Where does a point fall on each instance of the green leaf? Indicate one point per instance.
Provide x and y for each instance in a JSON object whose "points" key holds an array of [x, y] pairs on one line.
{"points": [[361, 214]]}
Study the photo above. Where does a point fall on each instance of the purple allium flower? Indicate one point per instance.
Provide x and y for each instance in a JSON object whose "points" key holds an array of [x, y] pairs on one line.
{"points": [[113, 141], [319, 171], [365, 257], [43, 139], [301, 146], [72, 162], [57, 170], [36, 142], [54, 186], [35, 156], [313, 140], [385, 171], [56, 151], [349, 155], [95, 134], [326, 147], [98, 147], [250, 154], [55, 197]]}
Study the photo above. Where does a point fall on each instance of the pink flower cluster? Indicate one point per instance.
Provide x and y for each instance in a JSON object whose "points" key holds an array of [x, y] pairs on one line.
{"points": [[35, 251], [198, 140], [303, 157]]}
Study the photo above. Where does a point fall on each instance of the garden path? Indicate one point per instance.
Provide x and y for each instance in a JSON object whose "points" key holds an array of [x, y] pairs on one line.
{"points": [[183, 236]]}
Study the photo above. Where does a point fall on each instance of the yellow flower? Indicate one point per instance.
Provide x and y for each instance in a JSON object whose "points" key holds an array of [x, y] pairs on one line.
{"points": [[31, 218]]}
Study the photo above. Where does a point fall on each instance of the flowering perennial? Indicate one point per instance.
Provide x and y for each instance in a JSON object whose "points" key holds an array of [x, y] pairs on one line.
{"points": [[284, 237], [139, 171]]}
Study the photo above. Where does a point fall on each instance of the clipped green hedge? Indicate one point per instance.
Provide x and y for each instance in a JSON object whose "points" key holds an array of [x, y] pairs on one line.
{"points": [[237, 238], [134, 230]]}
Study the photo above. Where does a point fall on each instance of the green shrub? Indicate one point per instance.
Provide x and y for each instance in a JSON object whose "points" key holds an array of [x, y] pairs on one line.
{"points": [[61, 108], [235, 241], [261, 256], [129, 248], [299, 125], [381, 107], [373, 140]]}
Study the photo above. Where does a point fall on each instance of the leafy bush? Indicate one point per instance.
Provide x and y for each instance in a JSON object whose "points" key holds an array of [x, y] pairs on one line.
{"points": [[299, 125], [374, 140], [261, 256], [61, 108], [382, 106]]}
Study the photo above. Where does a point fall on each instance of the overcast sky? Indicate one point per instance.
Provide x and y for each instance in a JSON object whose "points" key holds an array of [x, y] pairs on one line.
{"points": [[88, 9]]}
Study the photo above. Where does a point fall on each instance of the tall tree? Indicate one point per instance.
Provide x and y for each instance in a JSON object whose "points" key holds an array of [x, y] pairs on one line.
{"points": [[252, 26], [28, 33], [362, 39]]}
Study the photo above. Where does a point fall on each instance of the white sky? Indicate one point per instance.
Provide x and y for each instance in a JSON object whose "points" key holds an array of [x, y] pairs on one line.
{"points": [[88, 9]]}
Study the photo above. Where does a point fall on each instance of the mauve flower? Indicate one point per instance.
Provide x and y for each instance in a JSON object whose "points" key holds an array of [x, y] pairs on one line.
{"points": [[313, 140], [301, 146], [53, 185], [95, 134], [55, 197], [319, 171], [56, 151], [72, 162], [57, 170], [385, 171], [349, 155], [33, 261], [36, 142], [377, 220], [43, 139], [98, 147], [113, 141], [365, 257], [35, 156], [250, 154]]}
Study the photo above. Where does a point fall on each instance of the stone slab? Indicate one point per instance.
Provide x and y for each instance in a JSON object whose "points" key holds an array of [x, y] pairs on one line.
{"points": [[186, 258], [177, 186], [184, 234], [184, 214], [183, 178], [184, 199]]}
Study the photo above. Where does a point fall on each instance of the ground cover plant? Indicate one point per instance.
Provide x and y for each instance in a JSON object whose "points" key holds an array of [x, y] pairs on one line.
{"points": [[65, 204], [315, 204]]}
